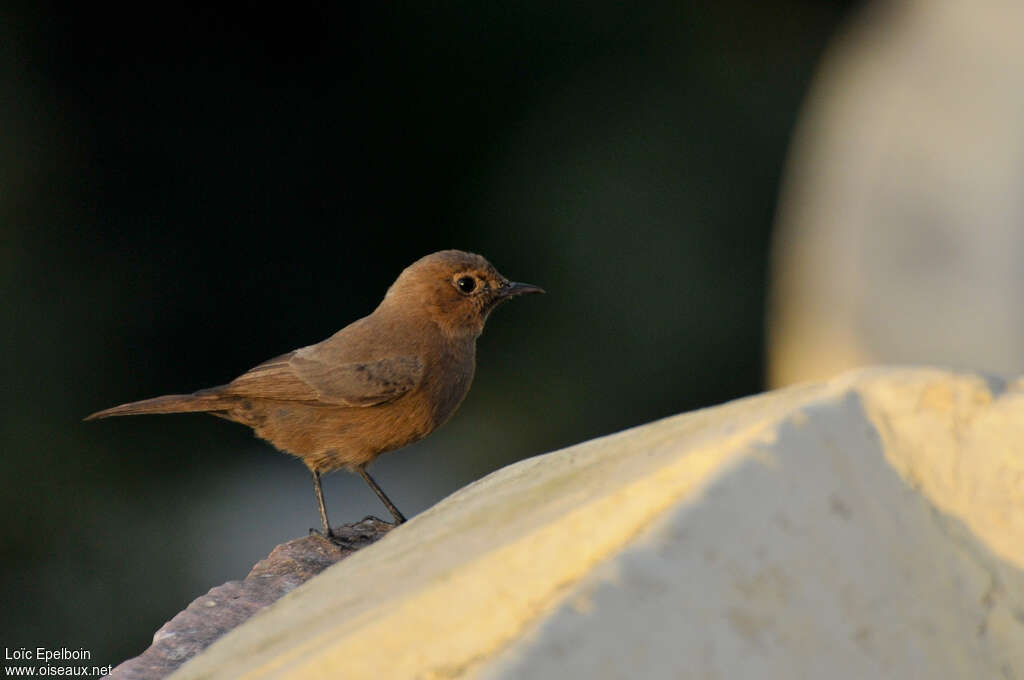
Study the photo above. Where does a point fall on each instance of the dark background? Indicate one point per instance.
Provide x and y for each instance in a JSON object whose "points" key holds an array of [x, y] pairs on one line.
{"points": [[186, 191]]}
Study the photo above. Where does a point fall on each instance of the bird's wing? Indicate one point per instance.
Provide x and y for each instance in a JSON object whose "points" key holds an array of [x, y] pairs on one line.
{"points": [[298, 377]]}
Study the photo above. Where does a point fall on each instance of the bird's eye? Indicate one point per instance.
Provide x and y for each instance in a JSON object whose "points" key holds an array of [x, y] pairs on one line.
{"points": [[467, 284]]}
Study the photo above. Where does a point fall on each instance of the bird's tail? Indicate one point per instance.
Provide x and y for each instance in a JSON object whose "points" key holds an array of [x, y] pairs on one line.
{"points": [[197, 402]]}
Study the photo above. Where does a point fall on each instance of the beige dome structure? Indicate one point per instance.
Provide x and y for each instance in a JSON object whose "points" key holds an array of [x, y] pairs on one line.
{"points": [[900, 234]]}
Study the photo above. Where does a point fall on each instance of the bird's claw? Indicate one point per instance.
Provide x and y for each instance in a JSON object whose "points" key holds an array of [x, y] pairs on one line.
{"points": [[329, 536], [374, 518]]}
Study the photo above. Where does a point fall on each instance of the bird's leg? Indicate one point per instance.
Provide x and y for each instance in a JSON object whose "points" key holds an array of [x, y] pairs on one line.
{"points": [[399, 517], [320, 501]]}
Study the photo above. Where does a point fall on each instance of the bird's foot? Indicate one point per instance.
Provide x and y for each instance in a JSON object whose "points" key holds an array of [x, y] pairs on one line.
{"points": [[329, 536], [374, 518]]}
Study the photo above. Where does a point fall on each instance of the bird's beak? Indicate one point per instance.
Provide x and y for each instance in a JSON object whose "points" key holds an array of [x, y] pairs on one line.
{"points": [[514, 289]]}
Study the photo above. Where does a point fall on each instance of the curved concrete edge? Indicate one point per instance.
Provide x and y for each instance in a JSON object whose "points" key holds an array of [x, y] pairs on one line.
{"points": [[446, 593]]}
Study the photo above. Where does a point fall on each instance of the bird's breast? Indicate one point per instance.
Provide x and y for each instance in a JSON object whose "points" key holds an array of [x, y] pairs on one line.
{"points": [[448, 381]]}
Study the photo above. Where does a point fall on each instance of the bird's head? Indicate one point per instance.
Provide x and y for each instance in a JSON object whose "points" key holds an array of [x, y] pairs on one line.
{"points": [[455, 289]]}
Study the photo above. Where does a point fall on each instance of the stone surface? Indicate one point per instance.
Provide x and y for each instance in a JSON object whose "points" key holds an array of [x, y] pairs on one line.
{"points": [[210, 616], [871, 526]]}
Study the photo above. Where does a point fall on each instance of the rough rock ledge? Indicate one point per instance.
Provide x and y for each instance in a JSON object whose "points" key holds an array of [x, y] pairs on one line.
{"points": [[210, 616]]}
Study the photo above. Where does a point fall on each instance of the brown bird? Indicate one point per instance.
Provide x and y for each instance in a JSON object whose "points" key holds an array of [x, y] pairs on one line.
{"points": [[384, 381]]}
